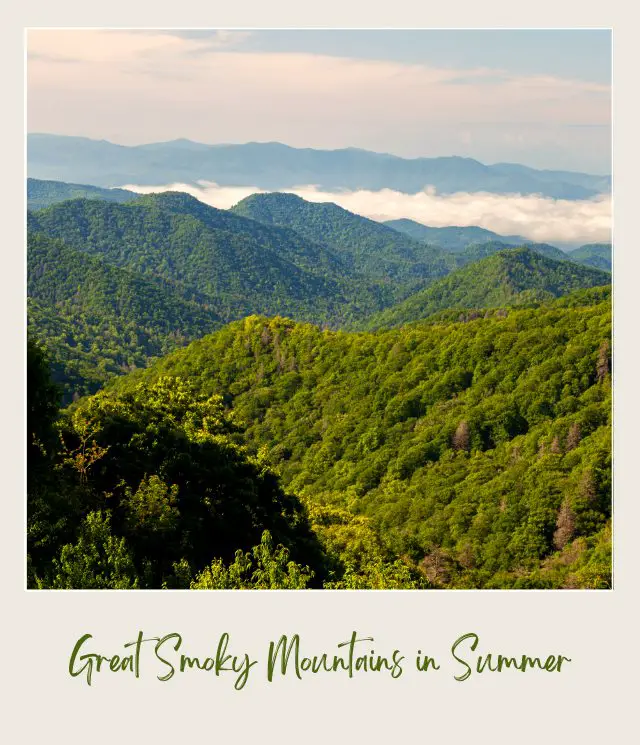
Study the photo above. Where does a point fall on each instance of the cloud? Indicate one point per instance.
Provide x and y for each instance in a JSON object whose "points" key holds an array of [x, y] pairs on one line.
{"points": [[537, 218]]}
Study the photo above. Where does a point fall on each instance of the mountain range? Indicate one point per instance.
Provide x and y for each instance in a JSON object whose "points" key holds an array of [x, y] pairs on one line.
{"points": [[273, 166], [425, 416], [113, 285]]}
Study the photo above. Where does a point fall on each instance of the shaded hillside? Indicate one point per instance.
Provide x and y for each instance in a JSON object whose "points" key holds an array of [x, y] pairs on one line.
{"points": [[238, 266], [510, 277], [151, 490], [369, 247], [598, 255], [98, 320]]}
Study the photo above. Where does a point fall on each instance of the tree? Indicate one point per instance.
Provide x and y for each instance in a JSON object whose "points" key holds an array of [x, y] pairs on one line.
{"points": [[565, 526], [98, 559], [462, 437], [42, 404], [587, 487], [602, 365], [262, 568], [573, 437], [152, 508], [437, 566]]}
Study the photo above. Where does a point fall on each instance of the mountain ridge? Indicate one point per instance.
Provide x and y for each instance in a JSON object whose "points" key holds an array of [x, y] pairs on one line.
{"points": [[513, 276], [274, 166]]}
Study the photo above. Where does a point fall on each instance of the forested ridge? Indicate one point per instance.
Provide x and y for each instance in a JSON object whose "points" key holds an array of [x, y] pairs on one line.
{"points": [[41, 194], [474, 438], [101, 320], [594, 254], [368, 246], [465, 443], [240, 265], [517, 276], [452, 238]]}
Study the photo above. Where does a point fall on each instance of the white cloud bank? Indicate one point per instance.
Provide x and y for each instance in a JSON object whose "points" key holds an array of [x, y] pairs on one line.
{"points": [[538, 218]]}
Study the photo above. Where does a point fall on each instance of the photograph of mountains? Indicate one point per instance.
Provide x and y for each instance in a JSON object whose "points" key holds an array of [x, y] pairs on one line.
{"points": [[319, 309]]}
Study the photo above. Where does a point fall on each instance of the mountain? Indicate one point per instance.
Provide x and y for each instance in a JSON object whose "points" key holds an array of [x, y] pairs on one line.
{"points": [[97, 320], [234, 265], [42, 194], [452, 238], [598, 255], [510, 277], [601, 184], [480, 452], [472, 243], [476, 251], [366, 246], [272, 166]]}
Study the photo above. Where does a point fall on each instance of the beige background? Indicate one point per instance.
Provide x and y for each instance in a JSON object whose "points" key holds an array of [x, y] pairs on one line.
{"points": [[593, 701]]}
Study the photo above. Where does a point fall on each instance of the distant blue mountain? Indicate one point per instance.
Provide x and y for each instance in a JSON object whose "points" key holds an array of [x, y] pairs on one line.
{"points": [[273, 166]]}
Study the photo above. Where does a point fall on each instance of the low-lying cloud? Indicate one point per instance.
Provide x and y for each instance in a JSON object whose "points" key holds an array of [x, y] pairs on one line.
{"points": [[538, 218]]}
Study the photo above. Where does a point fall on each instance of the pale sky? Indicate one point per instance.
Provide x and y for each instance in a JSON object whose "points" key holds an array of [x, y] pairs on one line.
{"points": [[541, 98]]}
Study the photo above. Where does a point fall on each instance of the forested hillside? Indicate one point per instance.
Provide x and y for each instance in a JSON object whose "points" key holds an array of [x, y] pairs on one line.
{"points": [[479, 451], [155, 489], [517, 276], [468, 447], [130, 282], [594, 254], [238, 264], [100, 320], [41, 194], [476, 251], [368, 246]]}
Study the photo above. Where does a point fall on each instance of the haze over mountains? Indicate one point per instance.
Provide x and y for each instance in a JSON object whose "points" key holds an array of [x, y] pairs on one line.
{"points": [[273, 166]]}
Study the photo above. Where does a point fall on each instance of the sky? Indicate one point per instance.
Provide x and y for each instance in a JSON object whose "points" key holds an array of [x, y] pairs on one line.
{"points": [[541, 98]]}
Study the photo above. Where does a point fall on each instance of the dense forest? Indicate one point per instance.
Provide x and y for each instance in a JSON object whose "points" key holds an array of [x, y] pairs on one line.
{"points": [[101, 319], [41, 194], [517, 276], [594, 254], [368, 246], [209, 405]]}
